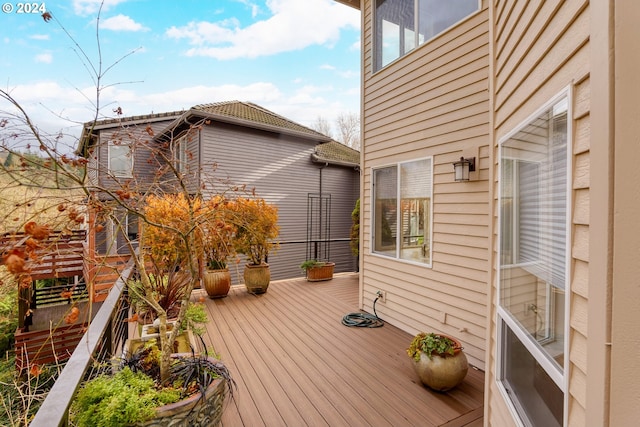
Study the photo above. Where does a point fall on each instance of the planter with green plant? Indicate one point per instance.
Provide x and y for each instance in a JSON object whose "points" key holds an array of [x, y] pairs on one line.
{"points": [[255, 238], [193, 394], [317, 271], [438, 360]]}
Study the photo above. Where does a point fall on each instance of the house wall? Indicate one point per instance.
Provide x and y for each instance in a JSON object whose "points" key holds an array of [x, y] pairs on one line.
{"points": [[433, 102], [280, 169], [539, 49], [615, 58], [144, 169]]}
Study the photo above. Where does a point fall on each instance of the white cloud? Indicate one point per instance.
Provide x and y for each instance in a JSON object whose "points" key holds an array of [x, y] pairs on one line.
{"points": [[45, 58], [89, 7], [122, 23], [187, 97], [54, 106], [293, 25], [40, 37]]}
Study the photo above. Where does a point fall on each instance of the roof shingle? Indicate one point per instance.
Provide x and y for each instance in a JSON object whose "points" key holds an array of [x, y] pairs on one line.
{"points": [[254, 113]]}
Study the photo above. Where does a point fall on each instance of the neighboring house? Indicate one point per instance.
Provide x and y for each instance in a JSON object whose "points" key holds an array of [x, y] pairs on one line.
{"points": [[289, 165], [534, 262]]}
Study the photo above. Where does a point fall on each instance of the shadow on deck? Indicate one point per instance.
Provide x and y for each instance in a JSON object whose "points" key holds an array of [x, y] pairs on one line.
{"points": [[296, 364]]}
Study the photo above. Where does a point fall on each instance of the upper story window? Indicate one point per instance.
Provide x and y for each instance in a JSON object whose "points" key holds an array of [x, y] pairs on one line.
{"points": [[402, 216], [396, 22], [120, 160], [181, 154]]}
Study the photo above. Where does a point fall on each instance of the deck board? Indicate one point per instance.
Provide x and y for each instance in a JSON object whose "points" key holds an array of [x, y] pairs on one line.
{"points": [[295, 364]]}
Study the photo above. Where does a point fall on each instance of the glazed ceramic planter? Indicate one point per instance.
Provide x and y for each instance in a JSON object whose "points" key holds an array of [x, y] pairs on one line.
{"points": [[442, 372], [217, 283], [257, 278]]}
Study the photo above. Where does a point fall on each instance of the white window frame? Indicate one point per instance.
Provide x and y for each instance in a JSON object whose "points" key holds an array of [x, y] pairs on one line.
{"points": [[398, 248], [180, 154], [560, 377], [377, 60], [117, 174]]}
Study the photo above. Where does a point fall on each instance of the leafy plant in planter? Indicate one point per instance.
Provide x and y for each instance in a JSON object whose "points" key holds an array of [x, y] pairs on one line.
{"points": [[168, 290], [438, 360], [135, 394], [432, 344], [318, 270]]}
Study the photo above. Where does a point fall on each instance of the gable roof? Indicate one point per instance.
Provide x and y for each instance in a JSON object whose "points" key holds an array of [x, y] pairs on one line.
{"points": [[245, 114], [89, 128], [248, 111], [336, 153]]}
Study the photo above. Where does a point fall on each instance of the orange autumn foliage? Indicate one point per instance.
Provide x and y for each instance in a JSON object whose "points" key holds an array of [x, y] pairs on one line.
{"points": [[72, 316], [172, 218], [39, 232], [14, 261]]}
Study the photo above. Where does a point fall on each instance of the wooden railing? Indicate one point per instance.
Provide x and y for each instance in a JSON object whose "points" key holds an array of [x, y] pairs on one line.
{"points": [[59, 255], [60, 294], [104, 338], [101, 272]]}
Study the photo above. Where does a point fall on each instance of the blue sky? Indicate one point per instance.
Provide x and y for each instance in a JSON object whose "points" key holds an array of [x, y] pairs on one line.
{"points": [[298, 58]]}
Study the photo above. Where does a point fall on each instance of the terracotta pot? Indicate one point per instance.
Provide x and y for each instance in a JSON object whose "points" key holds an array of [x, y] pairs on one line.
{"points": [[257, 278], [194, 411], [217, 283], [442, 372], [320, 273]]}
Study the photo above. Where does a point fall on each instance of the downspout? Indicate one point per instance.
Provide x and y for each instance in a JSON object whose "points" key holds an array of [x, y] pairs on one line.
{"points": [[315, 247]]}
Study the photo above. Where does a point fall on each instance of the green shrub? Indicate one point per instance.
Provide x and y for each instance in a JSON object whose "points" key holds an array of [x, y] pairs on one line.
{"points": [[430, 344], [117, 400]]}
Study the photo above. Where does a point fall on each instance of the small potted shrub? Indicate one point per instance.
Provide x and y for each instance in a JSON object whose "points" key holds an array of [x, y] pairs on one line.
{"points": [[255, 238], [135, 395], [317, 271], [219, 231], [438, 360]]}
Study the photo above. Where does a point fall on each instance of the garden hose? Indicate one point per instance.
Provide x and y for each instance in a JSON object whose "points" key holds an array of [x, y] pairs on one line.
{"points": [[364, 320]]}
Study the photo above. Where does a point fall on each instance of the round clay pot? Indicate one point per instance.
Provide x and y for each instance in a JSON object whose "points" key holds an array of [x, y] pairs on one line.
{"points": [[217, 283], [442, 372]]}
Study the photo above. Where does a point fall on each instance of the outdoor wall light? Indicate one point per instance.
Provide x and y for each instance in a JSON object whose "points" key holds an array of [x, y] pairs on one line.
{"points": [[463, 167]]}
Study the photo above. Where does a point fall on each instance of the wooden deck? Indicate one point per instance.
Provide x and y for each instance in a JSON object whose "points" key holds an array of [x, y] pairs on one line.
{"points": [[295, 364]]}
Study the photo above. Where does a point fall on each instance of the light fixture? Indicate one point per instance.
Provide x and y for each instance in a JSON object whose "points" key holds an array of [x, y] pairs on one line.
{"points": [[463, 167]]}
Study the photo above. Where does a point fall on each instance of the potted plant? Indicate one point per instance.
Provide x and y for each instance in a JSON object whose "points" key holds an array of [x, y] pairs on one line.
{"points": [[317, 271], [134, 395], [438, 360], [219, 231], [255, 238]]}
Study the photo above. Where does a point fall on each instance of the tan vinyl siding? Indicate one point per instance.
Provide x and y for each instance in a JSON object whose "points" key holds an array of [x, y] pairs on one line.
{"points": [[433, 102], [540, 49]]}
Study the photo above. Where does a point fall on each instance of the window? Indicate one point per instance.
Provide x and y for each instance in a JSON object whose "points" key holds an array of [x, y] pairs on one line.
{"points": [[532, 310], [123, 230], [181, 154], [120, 160], [396, 21], [402, 225]]}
